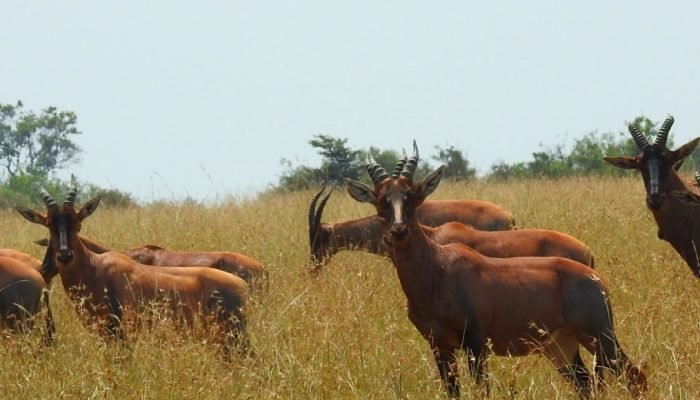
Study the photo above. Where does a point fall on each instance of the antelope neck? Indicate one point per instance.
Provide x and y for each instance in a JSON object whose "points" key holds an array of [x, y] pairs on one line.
{"points": [[679, 224], [416, 264], [364, 233], [93, 246], [80, 270]]}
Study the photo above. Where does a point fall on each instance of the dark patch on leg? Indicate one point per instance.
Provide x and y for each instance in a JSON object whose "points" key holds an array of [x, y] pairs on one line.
{"points": [[610, 356], [50, 326], [228, 312], [447, 366], [578, 374], [114, 325]]}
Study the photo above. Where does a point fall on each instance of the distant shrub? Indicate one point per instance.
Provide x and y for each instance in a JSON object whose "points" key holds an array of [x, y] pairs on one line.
{"points": [[110, 197], [9, 198]]}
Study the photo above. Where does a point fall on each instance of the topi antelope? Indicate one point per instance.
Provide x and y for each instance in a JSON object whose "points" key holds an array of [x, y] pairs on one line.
{"points": [[114, 289], [367, 234], [251, 271], [460, 299], [678, 222], [22, 290]]}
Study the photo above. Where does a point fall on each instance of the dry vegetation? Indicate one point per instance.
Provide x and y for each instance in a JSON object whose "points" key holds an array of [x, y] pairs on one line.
{"points": [[344, 333]]}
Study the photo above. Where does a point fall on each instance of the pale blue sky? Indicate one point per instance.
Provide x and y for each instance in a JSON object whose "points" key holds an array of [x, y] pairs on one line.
{"points": [[204, 98]]}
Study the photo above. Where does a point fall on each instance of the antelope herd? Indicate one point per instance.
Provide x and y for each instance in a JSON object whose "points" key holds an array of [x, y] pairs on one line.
{"points": [[471, 280]]}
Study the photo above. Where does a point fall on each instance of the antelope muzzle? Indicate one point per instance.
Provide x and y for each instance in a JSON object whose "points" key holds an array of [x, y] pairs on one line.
{"points": [[656, 200], [398, 231], [64, 253], [64, 256]]}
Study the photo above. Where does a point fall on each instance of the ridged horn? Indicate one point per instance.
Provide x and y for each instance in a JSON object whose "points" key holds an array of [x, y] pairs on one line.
{"points": [[638, 136], [410, 168], [697, 178], [662, 136], [312, 212], [72, 191], [399, 166], [48, 200], [376, 172]]}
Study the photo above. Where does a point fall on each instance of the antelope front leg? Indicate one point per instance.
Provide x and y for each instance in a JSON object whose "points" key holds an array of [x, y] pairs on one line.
{"points": [[476, 360], [447, 365]]}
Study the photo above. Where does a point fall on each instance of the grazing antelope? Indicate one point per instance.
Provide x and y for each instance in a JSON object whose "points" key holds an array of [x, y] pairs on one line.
{"points": [[678, 222], [114, 289], [22, 290], [460, 299], [251, 271], [367, 234]]}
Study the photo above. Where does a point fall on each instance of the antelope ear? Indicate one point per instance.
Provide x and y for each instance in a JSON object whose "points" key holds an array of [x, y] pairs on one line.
{"points": [[31, 215], [89, 207], [622, 162], [360, 192], [430, 182], [686, 197], [678, 164], [685, 150]]}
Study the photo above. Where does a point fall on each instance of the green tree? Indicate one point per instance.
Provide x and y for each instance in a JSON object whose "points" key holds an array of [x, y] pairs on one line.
{"points": [[385, 158], [36, 144], [300, 177], [501, 171], [551, 163], [456, 163], [32, 147], [339, 161]]}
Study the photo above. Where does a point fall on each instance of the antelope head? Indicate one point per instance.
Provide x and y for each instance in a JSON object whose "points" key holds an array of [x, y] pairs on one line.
{"points": [[396, 196], [319, 234], [63, 222], [655, 161]]}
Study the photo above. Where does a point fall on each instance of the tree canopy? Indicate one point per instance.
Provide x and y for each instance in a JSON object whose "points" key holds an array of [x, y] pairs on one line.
{"points": [[36, 144], [33, 146]]}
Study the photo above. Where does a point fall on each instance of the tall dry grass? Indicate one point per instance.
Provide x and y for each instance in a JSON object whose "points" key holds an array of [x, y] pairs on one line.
{"points": [[345, 334]]}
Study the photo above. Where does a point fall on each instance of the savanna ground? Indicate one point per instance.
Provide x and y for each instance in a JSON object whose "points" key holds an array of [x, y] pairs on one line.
{"points": [[344, 333]]}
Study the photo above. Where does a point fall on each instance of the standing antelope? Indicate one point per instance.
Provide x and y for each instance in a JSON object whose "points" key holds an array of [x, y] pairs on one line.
{"points": [[113, 289], [22, 290], [460, 299], [678, 222], [250, 270], [367, 234]]}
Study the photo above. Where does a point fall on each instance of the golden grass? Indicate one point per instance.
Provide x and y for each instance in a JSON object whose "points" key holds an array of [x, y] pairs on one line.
{"points": [[345, 334]]}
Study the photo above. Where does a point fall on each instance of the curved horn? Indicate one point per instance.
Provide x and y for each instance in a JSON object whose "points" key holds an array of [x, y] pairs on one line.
{"points": [[72, 191], [411, 164], [697, 178], [399, 166], [319, 212], [662, 136], [638, 136], [312, 212], [376, 171], [48, 200]]}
